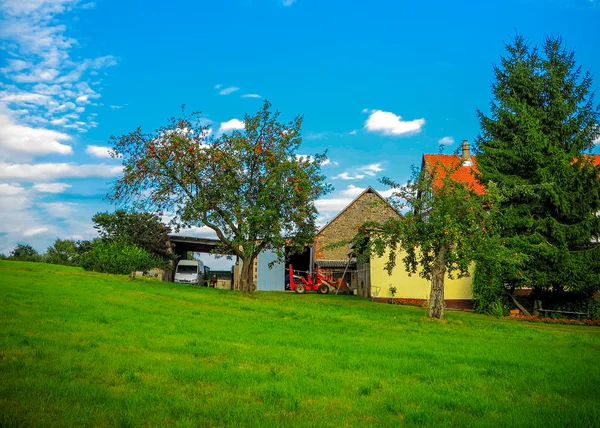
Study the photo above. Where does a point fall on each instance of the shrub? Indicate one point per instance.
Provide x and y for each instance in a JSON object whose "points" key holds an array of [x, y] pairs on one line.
{"points": [[117, 257]]}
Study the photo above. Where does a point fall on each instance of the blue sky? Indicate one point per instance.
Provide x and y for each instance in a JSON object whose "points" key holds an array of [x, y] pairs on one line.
{"points": [[379, 84]]}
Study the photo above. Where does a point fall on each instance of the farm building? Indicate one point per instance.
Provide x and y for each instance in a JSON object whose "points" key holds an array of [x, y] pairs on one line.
{"points": [[458, 293], [334, 259]]}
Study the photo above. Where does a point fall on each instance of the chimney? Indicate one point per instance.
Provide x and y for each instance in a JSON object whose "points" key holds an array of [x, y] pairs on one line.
{"points": [[466, 153]]}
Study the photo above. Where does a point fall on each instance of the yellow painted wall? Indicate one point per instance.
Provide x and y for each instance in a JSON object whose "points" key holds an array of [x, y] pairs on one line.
{"points": [[413, 287]]}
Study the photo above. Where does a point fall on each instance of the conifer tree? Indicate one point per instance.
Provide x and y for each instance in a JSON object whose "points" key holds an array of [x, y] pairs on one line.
{"points": [[535, 146]]}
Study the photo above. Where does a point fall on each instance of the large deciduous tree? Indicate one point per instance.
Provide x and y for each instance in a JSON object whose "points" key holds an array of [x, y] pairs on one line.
{"points": [[439, 235], [249, 186], [534, 145]]}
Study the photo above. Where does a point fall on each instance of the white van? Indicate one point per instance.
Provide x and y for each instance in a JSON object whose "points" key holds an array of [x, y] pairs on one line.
{"points": [[190, 272]]}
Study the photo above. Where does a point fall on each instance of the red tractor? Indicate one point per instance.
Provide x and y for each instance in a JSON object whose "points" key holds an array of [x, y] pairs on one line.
{"points": [[318, 282]]}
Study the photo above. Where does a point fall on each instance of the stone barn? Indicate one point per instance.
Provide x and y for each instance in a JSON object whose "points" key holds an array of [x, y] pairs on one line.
{"points": [[368, 206]]}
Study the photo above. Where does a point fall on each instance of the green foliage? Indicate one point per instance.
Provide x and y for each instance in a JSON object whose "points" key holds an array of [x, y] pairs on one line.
{"points": [[444, 229], [62, 252], [3, 256], [497, 309], [249, 186], [534, 146], [142, 229], [25, 253], [146, 353], [117, 257]]}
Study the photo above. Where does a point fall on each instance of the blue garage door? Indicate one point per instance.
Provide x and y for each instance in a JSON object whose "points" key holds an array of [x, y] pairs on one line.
{"points": [[270, 279]]}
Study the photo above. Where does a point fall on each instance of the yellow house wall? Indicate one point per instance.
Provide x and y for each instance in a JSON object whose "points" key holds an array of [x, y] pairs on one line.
{"points": [[413, 287]]}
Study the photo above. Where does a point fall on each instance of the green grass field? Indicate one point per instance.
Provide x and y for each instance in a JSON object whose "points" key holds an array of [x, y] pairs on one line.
{"points": [[84, 349]]}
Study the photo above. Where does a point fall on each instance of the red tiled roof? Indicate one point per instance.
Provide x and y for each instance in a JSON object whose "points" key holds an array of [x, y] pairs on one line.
{"points": [[463, 174]]}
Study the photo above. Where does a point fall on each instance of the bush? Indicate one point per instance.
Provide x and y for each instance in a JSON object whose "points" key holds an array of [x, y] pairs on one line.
{"points": [[117, 257], [25, 253]]}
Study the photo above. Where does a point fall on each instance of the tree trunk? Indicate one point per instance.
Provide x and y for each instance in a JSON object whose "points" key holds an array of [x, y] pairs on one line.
{"points": [[438, 274], [247, 276]]}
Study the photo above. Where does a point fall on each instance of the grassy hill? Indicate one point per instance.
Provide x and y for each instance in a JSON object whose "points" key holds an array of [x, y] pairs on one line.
{"points": [[84, 349]]}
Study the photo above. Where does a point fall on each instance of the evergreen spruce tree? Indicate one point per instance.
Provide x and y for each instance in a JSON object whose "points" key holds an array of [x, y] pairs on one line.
{"points": [[535, 146]]}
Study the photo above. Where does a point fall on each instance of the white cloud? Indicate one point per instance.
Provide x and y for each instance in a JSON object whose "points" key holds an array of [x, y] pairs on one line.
{"points": [[51, 171], [346, 176], [42, 74], [10, 189], [98, 151], [51, 187], [250, 96], [371, 169], [36, 231], [352, 191], [228, 90], [231, 125], [332, 205], [388, 123], [316, 135], [59, 210], [353, 132], [116, 107], [17, 140], [446, 141], [288, 2], [597, 140], [26, 98]]}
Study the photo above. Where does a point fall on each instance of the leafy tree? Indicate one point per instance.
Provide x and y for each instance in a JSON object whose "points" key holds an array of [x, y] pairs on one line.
{"points": [[440, 235], [117, 257], [249, 186], [142, 229], [62, 252], [25, 253], [533, 145]]}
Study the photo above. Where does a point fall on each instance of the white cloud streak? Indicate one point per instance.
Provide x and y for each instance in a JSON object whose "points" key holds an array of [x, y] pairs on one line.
{"points": [[98, 151], [372, 169], [51, 187], [228, 90], [36, 231], [52, 171], [250, 96], [23, 141], [346, 176]]}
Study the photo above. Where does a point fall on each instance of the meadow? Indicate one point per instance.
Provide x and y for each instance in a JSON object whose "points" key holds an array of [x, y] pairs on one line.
{"points": [[88, 349]]}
